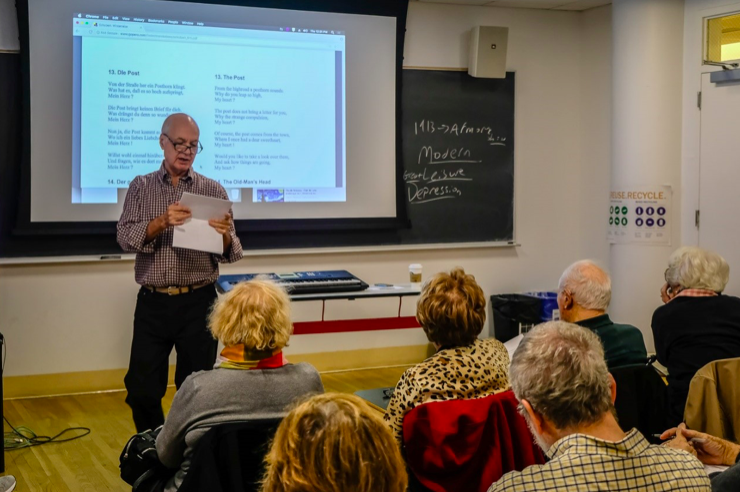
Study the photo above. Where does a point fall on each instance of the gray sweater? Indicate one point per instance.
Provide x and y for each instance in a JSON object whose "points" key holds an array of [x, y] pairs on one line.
{"points": [[207, 398]]}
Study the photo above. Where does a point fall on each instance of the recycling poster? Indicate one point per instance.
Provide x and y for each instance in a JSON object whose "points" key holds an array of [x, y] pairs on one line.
{"points": [[640, 214]]}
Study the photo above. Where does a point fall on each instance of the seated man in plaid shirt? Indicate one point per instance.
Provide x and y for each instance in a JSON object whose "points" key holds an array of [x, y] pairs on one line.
{"points": [[559, 375], [177, 285]]}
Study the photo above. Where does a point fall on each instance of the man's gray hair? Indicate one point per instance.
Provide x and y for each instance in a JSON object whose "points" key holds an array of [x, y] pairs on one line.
{"points": [[697, 268], [589, 285], [559, 368]]}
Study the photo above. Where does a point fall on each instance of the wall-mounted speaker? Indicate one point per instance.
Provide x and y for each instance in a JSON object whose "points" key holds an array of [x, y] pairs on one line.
{"points": [[8, 27], [488, 52]]}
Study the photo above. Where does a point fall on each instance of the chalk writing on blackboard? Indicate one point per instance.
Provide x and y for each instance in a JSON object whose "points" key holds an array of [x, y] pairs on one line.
{"points": [[457, 129], [429, 155], [458, 157], [432, 178]]}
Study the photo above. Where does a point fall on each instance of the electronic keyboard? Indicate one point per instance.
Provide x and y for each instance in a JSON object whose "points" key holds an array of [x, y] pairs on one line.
{"points": [[300, 282]]}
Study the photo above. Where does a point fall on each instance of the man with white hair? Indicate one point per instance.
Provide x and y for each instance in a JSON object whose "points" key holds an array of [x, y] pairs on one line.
{"points": [[584, 293], [698, 324], [566, 395], [177, 284]]}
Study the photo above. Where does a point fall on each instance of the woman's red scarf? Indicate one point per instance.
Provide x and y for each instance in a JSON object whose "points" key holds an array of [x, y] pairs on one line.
{"points": [[239, 357]]}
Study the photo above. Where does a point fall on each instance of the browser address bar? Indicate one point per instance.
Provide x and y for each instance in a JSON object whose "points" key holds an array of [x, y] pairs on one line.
{"points": [[217, 40]]}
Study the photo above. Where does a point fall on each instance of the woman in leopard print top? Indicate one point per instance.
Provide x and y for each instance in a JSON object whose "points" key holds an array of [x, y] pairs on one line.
{"points": [[452, 312]]}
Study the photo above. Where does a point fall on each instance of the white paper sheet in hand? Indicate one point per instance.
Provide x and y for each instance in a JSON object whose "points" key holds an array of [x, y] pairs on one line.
{"points": [[195, 233]]}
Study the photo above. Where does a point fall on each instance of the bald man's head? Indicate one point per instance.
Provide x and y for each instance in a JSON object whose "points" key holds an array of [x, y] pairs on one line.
{"points": [[180, 142], [588, 285], [178, 119]]}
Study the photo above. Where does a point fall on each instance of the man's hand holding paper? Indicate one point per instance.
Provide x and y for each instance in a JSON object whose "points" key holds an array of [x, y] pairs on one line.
{"points": [[208, 227]]}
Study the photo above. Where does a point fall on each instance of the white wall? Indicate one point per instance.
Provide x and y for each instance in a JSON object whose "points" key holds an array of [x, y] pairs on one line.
{"points": [[77, 317], [596, 120]]}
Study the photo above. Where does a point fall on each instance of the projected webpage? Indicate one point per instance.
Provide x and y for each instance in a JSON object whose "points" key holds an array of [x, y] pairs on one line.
{"points": [[270, 103]]}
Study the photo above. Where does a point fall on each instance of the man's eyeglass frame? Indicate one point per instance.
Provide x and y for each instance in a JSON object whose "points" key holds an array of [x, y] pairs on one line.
{"points": [[181, 147]]}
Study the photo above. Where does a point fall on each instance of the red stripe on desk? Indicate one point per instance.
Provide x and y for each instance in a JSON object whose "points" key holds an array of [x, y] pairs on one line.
{"points": [[349, 325]]}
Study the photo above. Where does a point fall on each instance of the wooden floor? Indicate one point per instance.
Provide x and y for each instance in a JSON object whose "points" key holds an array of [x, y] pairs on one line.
{"points": [[90, 464]]}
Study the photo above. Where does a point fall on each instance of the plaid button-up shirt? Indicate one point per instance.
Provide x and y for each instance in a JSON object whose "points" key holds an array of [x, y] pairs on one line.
{"points": [[580, 462], [157, 262]]}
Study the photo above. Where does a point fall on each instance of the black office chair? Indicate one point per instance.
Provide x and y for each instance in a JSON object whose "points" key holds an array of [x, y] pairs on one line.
{"points": [[230, 457], [642, 400]]}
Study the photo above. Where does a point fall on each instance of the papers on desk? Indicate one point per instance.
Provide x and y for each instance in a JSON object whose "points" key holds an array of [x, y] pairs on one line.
{"points": [[387, 287], [512, 344], [195, 233]]}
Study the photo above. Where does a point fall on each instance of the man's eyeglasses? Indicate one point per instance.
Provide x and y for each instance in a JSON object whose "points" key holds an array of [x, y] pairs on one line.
{"points": [[184, 148]]}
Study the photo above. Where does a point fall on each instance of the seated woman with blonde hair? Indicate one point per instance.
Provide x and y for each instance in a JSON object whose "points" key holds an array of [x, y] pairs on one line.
{"points": [[251, 379], [452, 312], [334, 443]]}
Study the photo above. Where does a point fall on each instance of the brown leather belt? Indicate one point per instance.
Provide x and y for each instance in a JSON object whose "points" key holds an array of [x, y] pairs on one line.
{"points": [[174, 290]]}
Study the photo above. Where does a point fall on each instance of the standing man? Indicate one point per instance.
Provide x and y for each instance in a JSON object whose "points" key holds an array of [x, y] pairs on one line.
{"points": [[177, 285]]}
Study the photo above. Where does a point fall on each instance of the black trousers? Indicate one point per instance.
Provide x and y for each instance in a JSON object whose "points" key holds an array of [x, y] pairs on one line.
{"points": [[162, 321]]}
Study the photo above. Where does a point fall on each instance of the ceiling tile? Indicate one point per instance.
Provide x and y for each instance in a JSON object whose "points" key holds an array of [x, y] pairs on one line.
{"points": [[582, 4]]}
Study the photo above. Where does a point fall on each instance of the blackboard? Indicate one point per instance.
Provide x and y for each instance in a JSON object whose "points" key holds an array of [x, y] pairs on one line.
{"points": [[458, 150]]}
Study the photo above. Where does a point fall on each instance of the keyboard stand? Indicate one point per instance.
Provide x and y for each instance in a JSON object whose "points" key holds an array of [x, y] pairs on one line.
{"points": [[350, 325]]}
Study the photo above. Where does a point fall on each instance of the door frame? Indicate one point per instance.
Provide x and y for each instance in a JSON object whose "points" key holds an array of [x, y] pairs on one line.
{"points": [[693, 69]]}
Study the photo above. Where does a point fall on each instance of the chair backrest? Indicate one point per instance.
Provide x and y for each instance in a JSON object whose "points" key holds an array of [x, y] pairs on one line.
{"points": [[642, 400], [713, 404], [467, 444], [230, 457]]}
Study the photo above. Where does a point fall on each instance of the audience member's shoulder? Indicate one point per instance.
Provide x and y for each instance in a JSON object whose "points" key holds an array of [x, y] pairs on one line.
{"points": [[305, 368], [678, 459], [491, 344], [666, 310], [526, 479], [494, 351], [732, 300], [627, 328], [309, 375], [196, 380]]}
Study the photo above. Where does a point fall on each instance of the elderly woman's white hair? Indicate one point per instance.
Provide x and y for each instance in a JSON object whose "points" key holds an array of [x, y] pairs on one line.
{"points": [[696, 268], [589, 285]]}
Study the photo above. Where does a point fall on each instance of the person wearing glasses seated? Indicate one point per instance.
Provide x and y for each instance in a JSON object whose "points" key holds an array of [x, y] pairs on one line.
{"points": [[452, 312], [584, 294], [177, 285], [566, 395], [334, 443], [252, 378], [697, 324]]}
